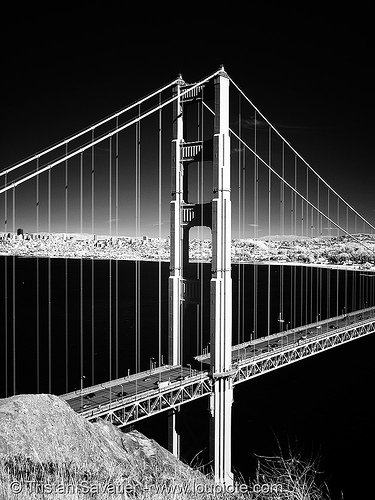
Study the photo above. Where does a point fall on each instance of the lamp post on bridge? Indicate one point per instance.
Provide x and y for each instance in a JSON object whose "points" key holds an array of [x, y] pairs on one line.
{"points": [[82, 378], [151, 364]]}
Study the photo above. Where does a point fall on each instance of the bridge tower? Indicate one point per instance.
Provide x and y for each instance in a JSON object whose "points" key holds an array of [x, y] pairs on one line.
{"points": [[183, 286], [175, 285]]}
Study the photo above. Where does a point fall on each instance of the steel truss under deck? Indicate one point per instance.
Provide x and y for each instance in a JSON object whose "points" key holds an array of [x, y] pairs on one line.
{"points": [[281, 356], [129, 410]]}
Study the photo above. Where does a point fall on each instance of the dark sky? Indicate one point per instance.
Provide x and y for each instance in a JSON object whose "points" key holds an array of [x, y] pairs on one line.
{"points": [[310, 73]]}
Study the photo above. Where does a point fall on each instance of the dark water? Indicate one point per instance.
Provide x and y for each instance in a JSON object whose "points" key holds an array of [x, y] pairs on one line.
{"points": [[62, 319]]}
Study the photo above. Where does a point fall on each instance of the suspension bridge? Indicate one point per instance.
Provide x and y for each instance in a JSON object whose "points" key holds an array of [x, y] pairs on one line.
{"points": [[191, 168]]}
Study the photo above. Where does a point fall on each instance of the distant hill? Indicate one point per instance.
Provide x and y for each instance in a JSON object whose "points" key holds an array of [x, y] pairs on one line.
{"points": [[357, 251], [282, 237]]}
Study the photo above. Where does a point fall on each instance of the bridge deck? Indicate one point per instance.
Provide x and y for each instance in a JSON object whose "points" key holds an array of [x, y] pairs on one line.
{"points": [[126, 388], [293, 337], [133, 398]]}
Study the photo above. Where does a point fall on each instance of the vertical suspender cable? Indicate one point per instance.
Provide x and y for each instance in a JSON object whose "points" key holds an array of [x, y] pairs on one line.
{"points": [[319, 271], [304, 270], [243, 267], [137, 367], [202, 263], [356, 304], [311, 234], [317, 311], [159, 235], [282, 191], [346, 271], [240, 234], [307, 207], [311, 317], [116, 261], [281, 267], [110, 262], [81, 271], [137, 222], [328, 213], [301, 269], [302, 274], [6, 290], [93, 261], [305, 320], [239, 224], [295, 196], [294, 219], [49, 290], [269, 236], [302, 214], [256, 221], [297, 268], [199, 229], [318, 216], [328, 270], [37, 290], [291, 269], [66, 280], [337, 272], [14, 295]]}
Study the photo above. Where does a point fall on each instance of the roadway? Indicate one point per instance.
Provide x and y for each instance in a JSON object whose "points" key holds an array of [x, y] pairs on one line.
{"points": [[126, 387], [124, 390], [295, 336]]}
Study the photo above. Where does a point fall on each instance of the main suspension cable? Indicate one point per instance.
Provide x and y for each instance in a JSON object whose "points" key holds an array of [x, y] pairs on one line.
{"points": [[299, 156], [86, 130], [97, 141], [297, 193]]}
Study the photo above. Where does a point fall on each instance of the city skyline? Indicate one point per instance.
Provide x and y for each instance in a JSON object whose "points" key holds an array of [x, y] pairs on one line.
{"points": [[315, 92]]}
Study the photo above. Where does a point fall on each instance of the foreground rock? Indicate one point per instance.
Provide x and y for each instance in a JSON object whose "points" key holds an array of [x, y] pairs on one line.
{"points": [[47, 451], [43, 439]]}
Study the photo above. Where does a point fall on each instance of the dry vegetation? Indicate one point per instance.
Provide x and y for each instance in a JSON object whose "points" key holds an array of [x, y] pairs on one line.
{"points": [[48, 451]]}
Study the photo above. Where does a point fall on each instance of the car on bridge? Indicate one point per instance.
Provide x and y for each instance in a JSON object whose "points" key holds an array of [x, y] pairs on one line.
{"points": [[162, 383]]}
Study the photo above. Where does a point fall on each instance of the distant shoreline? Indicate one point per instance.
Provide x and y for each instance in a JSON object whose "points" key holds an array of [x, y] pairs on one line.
{"points": [[332, 253], [337, 267]]}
